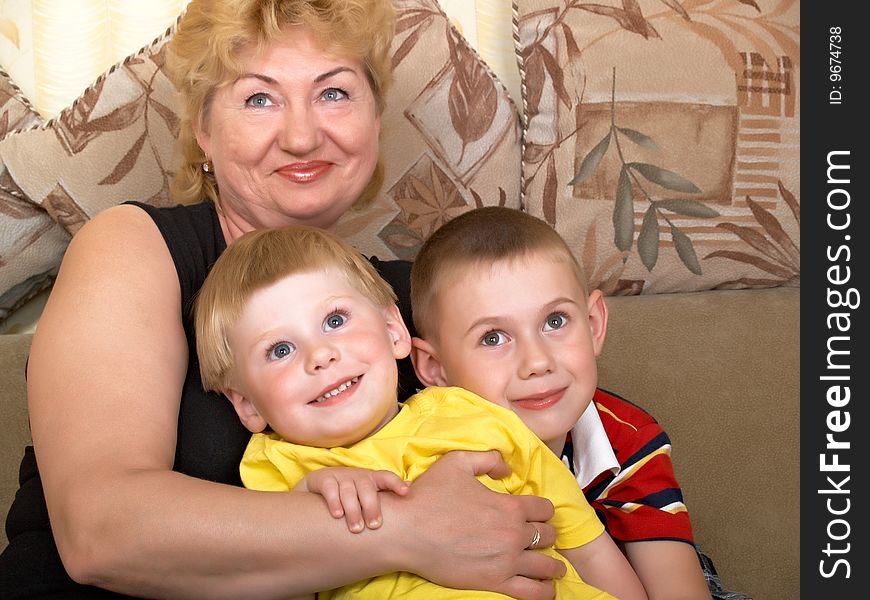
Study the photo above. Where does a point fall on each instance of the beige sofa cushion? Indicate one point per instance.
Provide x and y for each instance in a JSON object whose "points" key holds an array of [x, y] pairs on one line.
{"points": [[720, 371], [14, 425]]}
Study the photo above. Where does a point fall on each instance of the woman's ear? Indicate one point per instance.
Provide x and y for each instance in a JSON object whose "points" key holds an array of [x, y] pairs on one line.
{"points": [[248, 413], [597, 320], [398, 332], [202, 136], [426, 363]]}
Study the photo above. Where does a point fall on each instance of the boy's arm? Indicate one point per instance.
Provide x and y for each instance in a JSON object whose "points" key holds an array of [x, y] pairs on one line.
{"points": [[669, 570], [600, 563], [352, 493]]}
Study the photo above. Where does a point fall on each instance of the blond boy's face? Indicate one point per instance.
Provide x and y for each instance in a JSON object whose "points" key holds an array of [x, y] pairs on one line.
{"points": [[521, 334], [316, 360]]}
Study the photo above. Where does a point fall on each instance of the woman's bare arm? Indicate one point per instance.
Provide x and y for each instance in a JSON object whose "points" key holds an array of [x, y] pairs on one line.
{"points": [[104, 379]]}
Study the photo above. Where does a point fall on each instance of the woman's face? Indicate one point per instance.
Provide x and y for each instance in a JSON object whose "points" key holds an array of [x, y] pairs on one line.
{"points": [[294, 139]]}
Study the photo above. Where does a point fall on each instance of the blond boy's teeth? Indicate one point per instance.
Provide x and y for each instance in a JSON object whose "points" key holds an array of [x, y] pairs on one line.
{"points": [[337, 390]]}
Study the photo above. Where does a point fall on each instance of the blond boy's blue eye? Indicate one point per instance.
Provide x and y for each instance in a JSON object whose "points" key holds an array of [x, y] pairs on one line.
{"points": [[281, 350], [334, 321]]}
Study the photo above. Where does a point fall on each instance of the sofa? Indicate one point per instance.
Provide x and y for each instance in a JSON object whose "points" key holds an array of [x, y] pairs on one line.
{"points": [[657, 137]]}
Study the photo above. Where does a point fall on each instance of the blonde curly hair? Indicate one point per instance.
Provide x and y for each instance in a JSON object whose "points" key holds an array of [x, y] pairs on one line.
{"points": [[202, 55]]}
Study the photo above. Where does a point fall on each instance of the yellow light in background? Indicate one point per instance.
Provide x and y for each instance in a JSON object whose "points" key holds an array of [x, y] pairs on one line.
{"points": [[70, 50], [76, 41], [496, 44], [135, 23]]}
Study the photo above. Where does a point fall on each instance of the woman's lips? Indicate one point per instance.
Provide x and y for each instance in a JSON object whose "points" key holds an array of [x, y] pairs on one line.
{"points": [[540, 401], [306, 172]]}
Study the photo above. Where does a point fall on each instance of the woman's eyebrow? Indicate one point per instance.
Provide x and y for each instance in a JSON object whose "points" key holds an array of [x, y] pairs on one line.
{"points": [[272, 81], [332, 73]]}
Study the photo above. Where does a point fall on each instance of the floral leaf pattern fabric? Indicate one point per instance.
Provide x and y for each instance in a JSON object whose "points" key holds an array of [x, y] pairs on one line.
{"points": [[32, 243], [114, 143], [669, 131], [450, 137]]}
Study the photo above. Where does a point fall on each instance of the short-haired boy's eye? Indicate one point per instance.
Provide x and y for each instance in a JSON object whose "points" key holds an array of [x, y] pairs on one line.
{"points": [[555, 321], [493, 338], [280, 350]]}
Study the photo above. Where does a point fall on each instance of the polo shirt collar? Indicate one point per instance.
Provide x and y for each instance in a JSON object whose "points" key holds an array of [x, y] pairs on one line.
{"points": [[593, 454]]}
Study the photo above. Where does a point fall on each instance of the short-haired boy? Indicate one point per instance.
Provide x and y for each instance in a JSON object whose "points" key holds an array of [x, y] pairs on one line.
{"points": [[499, 302], [301, 334]]}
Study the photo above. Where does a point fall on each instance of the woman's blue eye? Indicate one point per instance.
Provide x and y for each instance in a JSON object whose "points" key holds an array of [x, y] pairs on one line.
{"points": [[259, 101], [334, 321], [334, 94], [281, 350], [555, 321], [493, 338]]}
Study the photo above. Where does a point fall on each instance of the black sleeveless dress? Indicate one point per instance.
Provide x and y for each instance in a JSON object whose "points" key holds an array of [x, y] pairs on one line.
{"points": [[211, 439]]}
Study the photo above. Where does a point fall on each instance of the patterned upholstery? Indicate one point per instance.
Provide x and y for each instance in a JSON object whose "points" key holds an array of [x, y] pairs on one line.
{"points": [[662, 139]]}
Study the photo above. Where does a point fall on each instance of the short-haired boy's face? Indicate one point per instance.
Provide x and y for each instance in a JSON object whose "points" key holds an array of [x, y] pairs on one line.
{"points": [[316, 360], [523, 335]]}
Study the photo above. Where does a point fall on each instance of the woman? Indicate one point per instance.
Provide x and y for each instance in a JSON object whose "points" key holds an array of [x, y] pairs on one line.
{"points": [[283, 102]]}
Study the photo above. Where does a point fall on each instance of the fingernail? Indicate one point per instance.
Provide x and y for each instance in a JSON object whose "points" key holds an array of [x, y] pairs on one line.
{"points": [[357, 527], [375, 523]]}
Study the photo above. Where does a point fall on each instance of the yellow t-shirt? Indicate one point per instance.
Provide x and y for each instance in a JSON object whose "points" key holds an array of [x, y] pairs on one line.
{"points": [[431, 423]]}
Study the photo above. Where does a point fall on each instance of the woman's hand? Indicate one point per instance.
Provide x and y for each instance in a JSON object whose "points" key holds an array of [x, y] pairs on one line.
{"points": [[460, 534]]}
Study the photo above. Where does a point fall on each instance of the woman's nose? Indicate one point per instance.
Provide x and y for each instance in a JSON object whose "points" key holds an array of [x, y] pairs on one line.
{"points": [[300, 131]]}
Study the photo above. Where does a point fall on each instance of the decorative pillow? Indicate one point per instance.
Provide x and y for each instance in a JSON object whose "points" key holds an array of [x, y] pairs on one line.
{"points": [[450, 140], [31, 244], [114, 143], [662, 139], [450, 137]]}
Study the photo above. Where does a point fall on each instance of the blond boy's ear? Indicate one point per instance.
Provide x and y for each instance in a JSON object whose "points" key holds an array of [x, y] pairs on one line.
{"points": [[426, 363], [248, 413], [398, 332], [597, 309]]}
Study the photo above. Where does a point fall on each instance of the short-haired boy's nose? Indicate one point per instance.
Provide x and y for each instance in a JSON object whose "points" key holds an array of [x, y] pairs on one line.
{"points": [[535, 358]]}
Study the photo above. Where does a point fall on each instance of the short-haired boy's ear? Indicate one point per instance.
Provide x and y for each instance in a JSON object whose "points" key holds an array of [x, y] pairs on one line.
{"points": [[426, 363], [398, 332], [248, 413], [597, 309]]}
